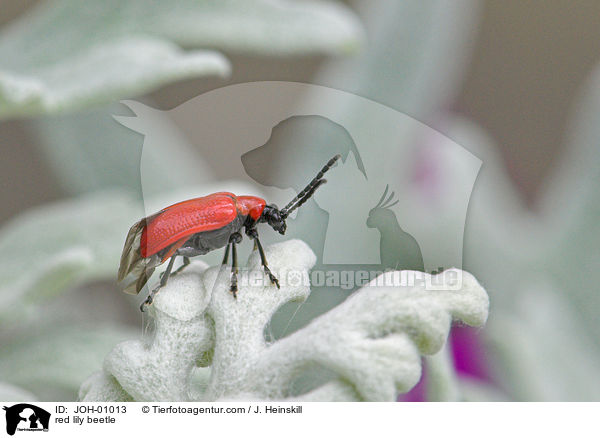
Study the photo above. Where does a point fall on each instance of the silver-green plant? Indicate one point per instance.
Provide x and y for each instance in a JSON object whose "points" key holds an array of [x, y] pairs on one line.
{"points": [[209, 346], [66, 55]]}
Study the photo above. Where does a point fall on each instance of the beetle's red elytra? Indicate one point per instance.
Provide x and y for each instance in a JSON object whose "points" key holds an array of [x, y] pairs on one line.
{"points": [[200, 225]]}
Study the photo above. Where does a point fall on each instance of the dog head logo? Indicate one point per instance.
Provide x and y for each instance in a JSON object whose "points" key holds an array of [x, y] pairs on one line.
{"points": [[26, 417]]}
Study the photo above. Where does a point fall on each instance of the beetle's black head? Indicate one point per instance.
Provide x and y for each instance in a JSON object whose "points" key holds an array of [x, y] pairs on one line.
{"points": [[274, 218]]}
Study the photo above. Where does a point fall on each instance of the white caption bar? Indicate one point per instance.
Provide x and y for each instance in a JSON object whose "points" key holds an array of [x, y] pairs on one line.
{"points": [[298, 419]]}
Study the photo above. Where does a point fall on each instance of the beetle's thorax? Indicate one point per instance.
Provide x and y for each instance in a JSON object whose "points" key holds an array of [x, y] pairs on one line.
{"points": [[251, 206]]}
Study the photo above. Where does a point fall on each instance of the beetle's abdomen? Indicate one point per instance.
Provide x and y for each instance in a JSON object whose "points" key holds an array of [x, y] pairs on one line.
{"points": [[185, 219], [206, 241]]}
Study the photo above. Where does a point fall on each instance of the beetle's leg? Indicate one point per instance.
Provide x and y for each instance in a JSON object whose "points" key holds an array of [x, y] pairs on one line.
{"points": [[235, 238], [163, 281], [167, 273], [234, 271], [226, 256], [263, 260], [186, 261]]}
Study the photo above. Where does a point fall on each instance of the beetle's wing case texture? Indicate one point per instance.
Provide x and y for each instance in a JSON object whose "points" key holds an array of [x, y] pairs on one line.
{"points": [[186, 218], [152, 240]]}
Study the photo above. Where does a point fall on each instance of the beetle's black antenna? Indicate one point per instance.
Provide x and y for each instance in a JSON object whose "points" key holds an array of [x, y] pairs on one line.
{"points": [[309, 190], [306, 197]]}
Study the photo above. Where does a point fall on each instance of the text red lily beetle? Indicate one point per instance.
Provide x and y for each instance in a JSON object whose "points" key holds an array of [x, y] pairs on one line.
{"points": [[197, 226]]}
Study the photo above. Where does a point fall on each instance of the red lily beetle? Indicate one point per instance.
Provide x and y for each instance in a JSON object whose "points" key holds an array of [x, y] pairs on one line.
{"points": [[200, 225]]}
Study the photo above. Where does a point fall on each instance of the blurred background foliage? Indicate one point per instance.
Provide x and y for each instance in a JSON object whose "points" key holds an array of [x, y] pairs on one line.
{"points": [[515, 83]]}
